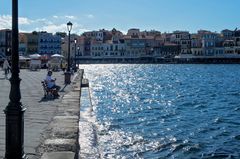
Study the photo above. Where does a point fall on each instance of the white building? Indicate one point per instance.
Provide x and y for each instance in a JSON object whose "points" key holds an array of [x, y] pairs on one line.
{"points": [[107, 50], [96, 35], [182, 38], [96, 49]]}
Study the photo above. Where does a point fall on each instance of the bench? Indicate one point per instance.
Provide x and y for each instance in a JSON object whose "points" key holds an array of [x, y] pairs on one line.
{"points": [[48, 91]]}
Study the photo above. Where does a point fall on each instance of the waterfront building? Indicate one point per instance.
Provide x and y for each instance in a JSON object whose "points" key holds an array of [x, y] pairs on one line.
{"points": [[219, 51], [207, 44], [80, 52], [237, 50], [151, 33], [167, 50], [116, 36], [104, 44], [183, 39], [209, 40], [5, 42], [196, 45], [228, 43], [96, 49], [177, 36], [185, 45], [236, 33], [135, 46], [61, 34], [96, 35], [64, 46], [22, 44], [227, 34], [197, 51], [114, 49], [109, 49], [236, 41], [158, 40], [30, 40], [230, 47], [87, 47], [150, 43], [134, 32], [166, 37], [196, 41], [141, 44], [49, 44]]}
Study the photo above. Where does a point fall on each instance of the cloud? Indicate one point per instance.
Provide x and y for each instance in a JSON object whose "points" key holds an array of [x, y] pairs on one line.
{"points": [[40, 20], [6, 21], [90, 16], [64, 17], [53, 28], [52, 25], [24, 21], [123, 31], [55, 16], [82, 30], [70, 17]]}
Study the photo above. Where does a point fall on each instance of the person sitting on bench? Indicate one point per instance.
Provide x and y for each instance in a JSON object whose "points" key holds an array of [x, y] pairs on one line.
{"points": [[51, 83]]}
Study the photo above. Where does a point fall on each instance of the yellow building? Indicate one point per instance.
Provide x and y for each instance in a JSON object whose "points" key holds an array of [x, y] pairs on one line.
{"points": [[28, 43]]}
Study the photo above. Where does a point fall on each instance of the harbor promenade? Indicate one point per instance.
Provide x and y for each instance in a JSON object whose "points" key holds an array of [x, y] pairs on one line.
{"points": [[42, 116]]}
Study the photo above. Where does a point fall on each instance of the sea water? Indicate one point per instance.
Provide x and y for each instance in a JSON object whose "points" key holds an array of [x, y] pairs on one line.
{"points": [[165, 111]]}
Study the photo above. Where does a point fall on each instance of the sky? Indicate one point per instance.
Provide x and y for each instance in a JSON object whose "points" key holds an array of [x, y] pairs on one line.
{"points": [[87, 15]]}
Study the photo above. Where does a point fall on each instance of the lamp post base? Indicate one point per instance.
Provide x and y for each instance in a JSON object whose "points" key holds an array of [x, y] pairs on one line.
{"points": [[15, 131], [67, 77]]}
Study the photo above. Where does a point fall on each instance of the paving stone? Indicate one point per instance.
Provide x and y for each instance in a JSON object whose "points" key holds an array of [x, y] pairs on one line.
{"points": [[40, 111]]}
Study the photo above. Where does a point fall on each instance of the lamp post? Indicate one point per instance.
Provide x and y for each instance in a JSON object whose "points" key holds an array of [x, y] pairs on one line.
{"points": [[68, 73], [75, 62], [8, 52], [78, 48], [14, 110]]}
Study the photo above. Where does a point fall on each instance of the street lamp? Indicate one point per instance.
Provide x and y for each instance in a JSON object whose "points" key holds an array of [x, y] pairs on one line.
{"points": [[75, 62], [8, 52], [68, 73], [69, 27], [78, 52], [15, 110]]}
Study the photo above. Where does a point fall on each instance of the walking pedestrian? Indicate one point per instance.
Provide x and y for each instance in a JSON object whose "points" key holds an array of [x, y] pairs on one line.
{"points": [[6, 68]]}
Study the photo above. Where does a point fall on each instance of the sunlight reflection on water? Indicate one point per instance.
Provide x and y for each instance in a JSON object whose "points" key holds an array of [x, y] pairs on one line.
{"points": [[166, 111]]}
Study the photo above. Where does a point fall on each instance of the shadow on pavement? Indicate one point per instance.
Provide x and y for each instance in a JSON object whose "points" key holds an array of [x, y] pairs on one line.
{"points": [[46, 99], [62, 90]]}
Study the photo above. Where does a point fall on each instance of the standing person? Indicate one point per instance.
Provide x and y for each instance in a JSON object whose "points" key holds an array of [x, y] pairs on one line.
{"points": [[6, 67], [48, 65], [51, 83]]}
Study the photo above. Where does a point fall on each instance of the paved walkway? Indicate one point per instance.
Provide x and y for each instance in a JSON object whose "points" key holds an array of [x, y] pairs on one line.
{"points": [[39, 113]]}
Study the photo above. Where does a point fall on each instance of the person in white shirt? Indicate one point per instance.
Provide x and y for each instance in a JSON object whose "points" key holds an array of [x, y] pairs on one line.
{"points": [[51, 83], [6, 67]]}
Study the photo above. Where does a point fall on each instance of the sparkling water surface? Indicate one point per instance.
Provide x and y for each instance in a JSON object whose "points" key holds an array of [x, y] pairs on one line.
{"points": [[166, 111]]}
